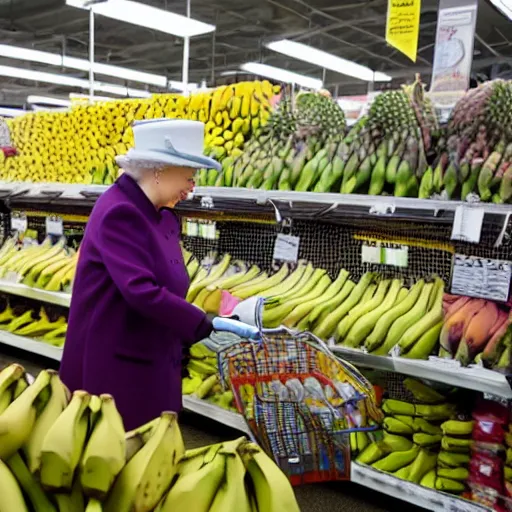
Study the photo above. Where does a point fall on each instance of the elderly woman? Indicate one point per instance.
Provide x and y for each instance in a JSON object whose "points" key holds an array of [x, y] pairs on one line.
{"points": [[129, 320]]}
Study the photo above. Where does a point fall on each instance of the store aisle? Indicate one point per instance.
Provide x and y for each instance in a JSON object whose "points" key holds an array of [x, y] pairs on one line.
{"points": [[200, 431]]}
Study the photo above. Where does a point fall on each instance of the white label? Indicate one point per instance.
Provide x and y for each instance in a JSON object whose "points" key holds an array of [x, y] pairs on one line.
{"points": [[396, 256], [395, 351], [486, 426], [12, 277], [481, 277], [485, 469], [467, 224], [54, 226], [286, 248], [370, 254], [19, 223]]}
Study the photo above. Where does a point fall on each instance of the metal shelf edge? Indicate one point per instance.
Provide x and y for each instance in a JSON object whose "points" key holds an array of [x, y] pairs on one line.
{"points": [[203, 408], [29, 345], [478, 379], [411, 493], [21, 290]]}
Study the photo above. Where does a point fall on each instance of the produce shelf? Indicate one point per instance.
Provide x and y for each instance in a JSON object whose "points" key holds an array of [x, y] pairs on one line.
{"points": [[28, 345], [228, 418], [412, 493], [21, 290], [472, 377]]}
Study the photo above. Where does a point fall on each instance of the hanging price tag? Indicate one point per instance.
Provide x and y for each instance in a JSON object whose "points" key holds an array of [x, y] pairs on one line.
{"points": [[286, 248], [467, 224], [481, 277], [19, 222], [54, 226]]}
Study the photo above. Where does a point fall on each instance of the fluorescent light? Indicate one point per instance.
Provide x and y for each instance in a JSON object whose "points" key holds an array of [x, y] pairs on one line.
{"points": [[327, 60], [282, 75], [147, 16], [505, 6], [11, 112], [46, 100], [27, 54], [50, 78], [87, 97]]}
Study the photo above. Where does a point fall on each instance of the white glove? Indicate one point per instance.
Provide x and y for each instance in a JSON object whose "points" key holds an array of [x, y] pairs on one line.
{"points": [[249, 311]]}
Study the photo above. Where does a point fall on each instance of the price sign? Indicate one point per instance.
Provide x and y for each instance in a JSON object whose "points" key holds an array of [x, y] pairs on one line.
{"points": [[54, 226], [385, 253], [467, 224], [286, 248], [19, 222], [481, 277]]}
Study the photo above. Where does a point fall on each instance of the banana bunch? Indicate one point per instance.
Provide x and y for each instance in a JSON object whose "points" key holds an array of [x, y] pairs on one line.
{"points": [[48, 324], [203, 380], [71, 453], [45, 266], [422, 443], [297, 149], [476, 330], [80, 146]]}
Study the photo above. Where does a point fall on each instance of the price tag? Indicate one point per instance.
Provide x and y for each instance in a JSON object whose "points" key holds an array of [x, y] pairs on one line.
{"points": [[54, 226], [371, 254], [395, 351], [396, 256], [467, 224], [481, 277], [383, 253], [19, 222], [286, 248]]}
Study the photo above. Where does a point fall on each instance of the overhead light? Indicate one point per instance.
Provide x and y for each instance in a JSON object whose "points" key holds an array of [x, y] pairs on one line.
{"points": [[281, 75], [11, 112], [505, 6], [27, 54], [69, 81], [46, 100], [146, 16], [327, 60], [87, 97]]}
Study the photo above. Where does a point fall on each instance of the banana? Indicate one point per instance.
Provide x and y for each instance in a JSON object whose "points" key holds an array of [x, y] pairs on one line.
{"points": [[11, 497], [378, 335], [365, 324], [360, 310], [9, 376], [274, 317], [29, 484], [289, 292], [273, 492], [104, 455], [57, 402], [426, 344], [423, 393], [400, 325], [144, 479], [322, 310], [72, 502], [94, 505], [235, 280], [17, 421], [290, 283], [301, 311], [395, 426], [429, 480], [255, 289], [254, 281], [231, 493], [327, 326], [425, 323], [460, 474], [203, 470], [64, 443], [426, 440], [453, 460], [457, 428], [423, 463], [454, 444], [373, 452], [396, 460], [216, 272]]}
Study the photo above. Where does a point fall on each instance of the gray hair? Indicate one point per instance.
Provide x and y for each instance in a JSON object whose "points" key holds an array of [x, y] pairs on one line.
{"points": [[138, 169]]}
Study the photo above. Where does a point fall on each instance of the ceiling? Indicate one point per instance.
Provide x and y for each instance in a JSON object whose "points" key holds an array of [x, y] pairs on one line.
{"points": [[349, 28]]}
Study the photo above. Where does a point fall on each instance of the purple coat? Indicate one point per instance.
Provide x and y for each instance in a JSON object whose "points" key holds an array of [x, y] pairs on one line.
{"points": [[129, 320]]}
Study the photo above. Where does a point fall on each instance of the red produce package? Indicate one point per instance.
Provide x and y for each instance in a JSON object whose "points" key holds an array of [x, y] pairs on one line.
{"points": [[486, 470], [490, 420]]}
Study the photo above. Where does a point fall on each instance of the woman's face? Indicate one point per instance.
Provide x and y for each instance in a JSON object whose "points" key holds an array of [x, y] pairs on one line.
{"points": [[175, 183]]}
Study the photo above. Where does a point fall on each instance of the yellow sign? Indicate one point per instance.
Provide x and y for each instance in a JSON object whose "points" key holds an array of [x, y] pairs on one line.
{"points": [[403, 26]]}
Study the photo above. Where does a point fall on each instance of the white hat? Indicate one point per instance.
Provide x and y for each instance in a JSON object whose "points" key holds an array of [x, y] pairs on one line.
{"points": [[169, 142]]}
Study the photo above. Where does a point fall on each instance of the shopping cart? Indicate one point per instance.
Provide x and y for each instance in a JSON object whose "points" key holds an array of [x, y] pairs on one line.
{"points": [[300, 401]]}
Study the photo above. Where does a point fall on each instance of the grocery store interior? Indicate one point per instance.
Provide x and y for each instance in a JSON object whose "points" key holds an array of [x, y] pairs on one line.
{"points": [[342, 178]]}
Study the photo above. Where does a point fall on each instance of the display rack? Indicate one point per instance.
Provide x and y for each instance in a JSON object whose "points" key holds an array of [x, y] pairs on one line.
{"points": [[411, 493], [335, 211]]}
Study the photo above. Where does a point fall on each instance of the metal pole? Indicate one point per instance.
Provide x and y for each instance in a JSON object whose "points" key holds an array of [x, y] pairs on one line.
{"points": [[186, 53], [91, 54]]}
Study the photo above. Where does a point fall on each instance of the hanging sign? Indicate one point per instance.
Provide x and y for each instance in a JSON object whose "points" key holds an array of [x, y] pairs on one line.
{"points": [[453, 53], [403, 26]]}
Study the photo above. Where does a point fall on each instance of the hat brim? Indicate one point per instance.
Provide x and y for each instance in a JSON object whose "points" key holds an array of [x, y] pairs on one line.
{"points": [[162, 157]]}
